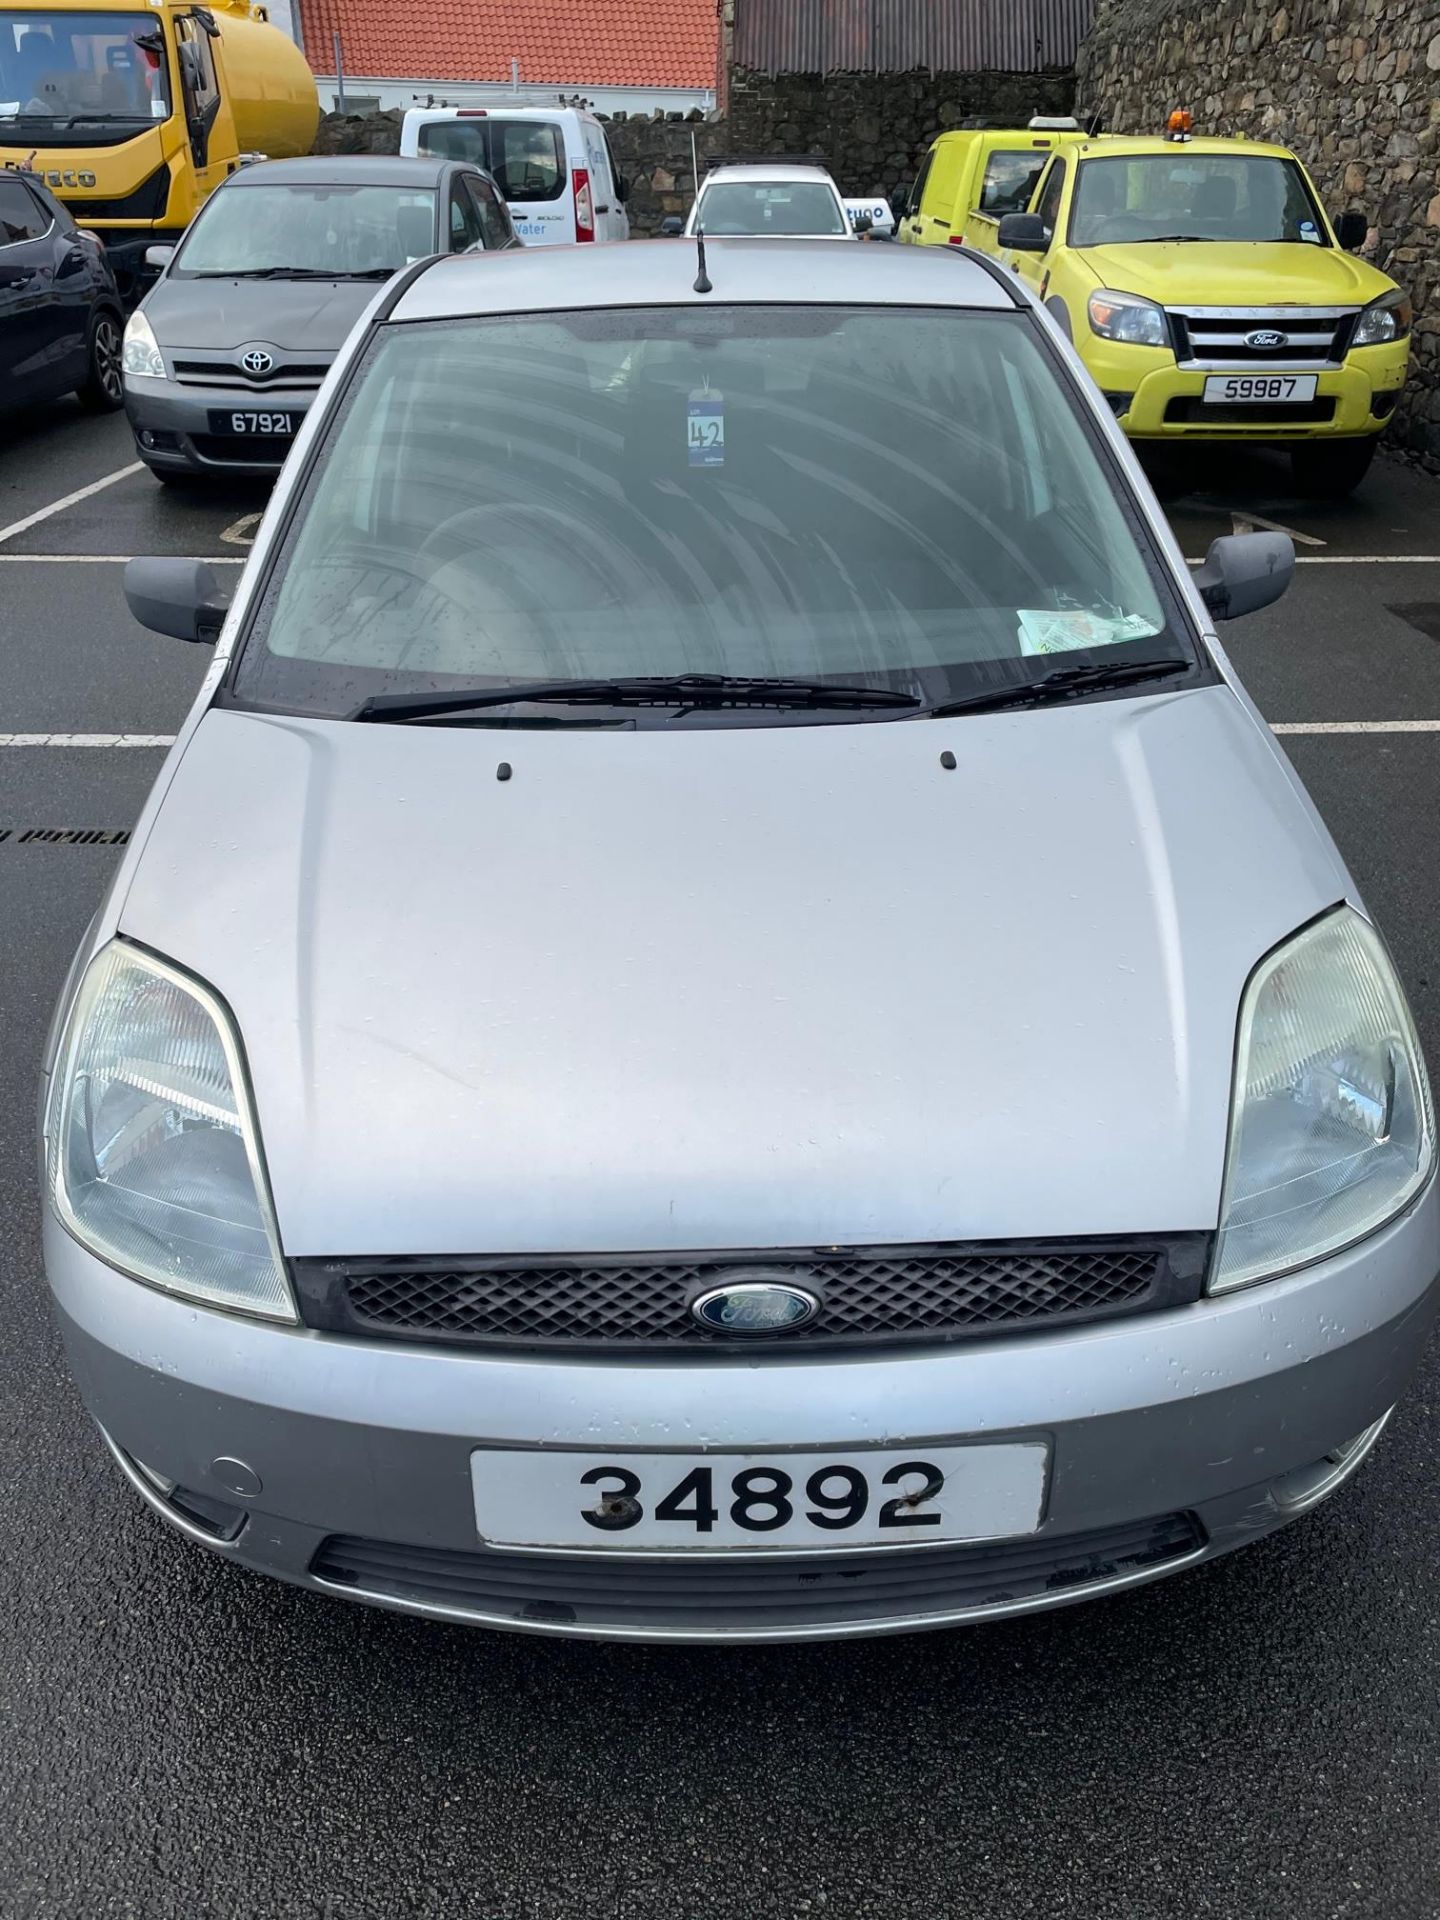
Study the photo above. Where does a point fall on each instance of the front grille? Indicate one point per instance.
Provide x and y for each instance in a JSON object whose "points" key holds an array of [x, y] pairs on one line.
{"points": [[868, 1295], [243, 449], [306, 374], [1216, 337], [735, 1593], [1195, 412]]}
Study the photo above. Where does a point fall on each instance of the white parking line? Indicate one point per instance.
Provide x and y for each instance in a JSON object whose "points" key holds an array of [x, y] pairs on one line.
{"points": [[110, 559], [59, 506], [1356, 726], [87, 739]]}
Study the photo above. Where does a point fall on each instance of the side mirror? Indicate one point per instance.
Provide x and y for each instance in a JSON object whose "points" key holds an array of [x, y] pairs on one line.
{"points": [[672, 226], [900, 199], [862, 223], [179, 597], [159, 256], [1351, 230], [622, 188], [1242, 573], [1022, 233]]}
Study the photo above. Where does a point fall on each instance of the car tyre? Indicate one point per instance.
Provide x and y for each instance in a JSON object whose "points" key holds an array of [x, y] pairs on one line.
{"points": [[103, 388], [1331, 471]]}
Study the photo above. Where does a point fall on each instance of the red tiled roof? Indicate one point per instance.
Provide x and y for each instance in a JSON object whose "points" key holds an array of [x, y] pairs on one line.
{"points": [[559, 43]]}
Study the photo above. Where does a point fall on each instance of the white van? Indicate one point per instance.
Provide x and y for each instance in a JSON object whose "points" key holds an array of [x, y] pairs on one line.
{"points": [[553, 165]]}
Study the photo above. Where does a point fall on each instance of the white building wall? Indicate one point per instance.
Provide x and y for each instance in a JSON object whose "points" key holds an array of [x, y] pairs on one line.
{"points": [[362, 94]]}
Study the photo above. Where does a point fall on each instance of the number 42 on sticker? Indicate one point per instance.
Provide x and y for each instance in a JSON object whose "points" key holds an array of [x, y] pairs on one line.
{"points": [[705, 429]]}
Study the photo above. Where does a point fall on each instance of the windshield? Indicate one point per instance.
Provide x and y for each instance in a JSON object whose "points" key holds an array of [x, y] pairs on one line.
{"points": [[755, 207], [62, 70], [903, 497], [1193, 196], [253, 229]]}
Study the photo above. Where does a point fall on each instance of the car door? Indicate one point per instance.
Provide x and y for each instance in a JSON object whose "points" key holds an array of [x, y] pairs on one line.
{"points": [[497, 230], [910, 228], [617, 221], [1034, 268], [200, 93], [74, 257], [29, 324]]}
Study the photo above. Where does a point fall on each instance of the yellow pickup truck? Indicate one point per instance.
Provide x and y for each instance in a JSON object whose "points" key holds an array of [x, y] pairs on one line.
{"points": [[1204, 288]]}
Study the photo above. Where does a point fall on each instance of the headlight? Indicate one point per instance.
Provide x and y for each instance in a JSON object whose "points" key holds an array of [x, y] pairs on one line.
{"points": [[141, 351], [1384, 320], [1331, 1131], [154, 1156], [1128, 318]]}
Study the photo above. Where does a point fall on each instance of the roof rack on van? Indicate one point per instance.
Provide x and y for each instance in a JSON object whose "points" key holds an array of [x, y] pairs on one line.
{"points": [[766, 160]]}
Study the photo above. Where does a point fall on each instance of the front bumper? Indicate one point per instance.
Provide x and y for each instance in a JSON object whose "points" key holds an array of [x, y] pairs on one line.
{"points": [[1154, 398], [171, 424], [344, 1465]]}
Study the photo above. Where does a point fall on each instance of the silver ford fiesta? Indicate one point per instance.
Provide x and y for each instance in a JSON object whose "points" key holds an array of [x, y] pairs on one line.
{"points": [[724, 1024]]}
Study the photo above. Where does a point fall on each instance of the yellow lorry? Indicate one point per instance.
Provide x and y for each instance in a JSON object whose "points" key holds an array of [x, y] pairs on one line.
{"points": [[132, 114], [1201, 281]]}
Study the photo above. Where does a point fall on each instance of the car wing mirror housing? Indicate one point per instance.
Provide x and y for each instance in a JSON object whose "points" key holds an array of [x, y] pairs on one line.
{"points": [[1352, 230], [672, 226], [182, 598], [1022, 233], [1244, 572], [159, 256]]}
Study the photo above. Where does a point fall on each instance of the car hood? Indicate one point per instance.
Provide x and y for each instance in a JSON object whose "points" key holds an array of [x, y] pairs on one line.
{"points": [[1237, 274], [760, 987], [313, 316]]}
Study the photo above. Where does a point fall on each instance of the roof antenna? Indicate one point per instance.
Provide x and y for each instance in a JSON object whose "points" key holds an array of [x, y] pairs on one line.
{"points": [[702, 278]]}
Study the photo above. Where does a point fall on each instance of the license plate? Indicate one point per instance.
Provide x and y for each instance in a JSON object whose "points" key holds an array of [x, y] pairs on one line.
{"points": [[245, 420], [1264, 389], [786, 1503]]}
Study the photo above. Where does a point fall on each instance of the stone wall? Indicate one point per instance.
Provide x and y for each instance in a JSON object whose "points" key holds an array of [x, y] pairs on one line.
{"points": [[873, 129], [1352, 85]]}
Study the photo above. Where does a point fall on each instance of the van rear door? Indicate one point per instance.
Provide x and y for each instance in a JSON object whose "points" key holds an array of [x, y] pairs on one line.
{"points": [[526, 154], [534, 175]]}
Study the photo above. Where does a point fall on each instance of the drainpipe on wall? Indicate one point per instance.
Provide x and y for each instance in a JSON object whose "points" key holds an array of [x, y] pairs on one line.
{"points": [[339, 72]]}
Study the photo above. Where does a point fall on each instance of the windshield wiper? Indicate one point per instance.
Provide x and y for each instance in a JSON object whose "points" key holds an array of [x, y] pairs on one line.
{"points": [[1060, 682], [1163, 239], [293, 273], [663, 689]]}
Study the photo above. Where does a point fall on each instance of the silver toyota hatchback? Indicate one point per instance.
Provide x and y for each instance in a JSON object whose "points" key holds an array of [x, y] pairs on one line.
{"points": [[724, 1024]]}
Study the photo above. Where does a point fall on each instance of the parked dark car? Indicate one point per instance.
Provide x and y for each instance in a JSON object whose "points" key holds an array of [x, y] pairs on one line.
{"points": [[60, 315], [229, 347]]}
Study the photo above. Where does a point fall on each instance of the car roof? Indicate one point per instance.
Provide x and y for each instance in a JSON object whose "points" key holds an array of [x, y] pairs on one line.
{"points": [[661, 273], [767, 170], [346, 170], [1118, 146]]}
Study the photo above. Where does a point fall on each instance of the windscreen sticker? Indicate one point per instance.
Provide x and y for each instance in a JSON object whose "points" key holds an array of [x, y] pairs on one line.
{"points": [[705, 428], [1071, 629], [1309, 231]]}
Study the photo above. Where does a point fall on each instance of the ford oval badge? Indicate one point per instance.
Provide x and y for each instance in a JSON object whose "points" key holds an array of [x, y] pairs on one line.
{"points": [[756, 1304], [1267, 340]]}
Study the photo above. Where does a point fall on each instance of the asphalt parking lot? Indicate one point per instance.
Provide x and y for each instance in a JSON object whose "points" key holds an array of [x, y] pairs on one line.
{"points": [[179, 1738]]}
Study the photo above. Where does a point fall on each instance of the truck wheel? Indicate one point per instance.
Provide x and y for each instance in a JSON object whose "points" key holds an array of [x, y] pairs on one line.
{"points": [[103, 388], [1329, 471]]}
